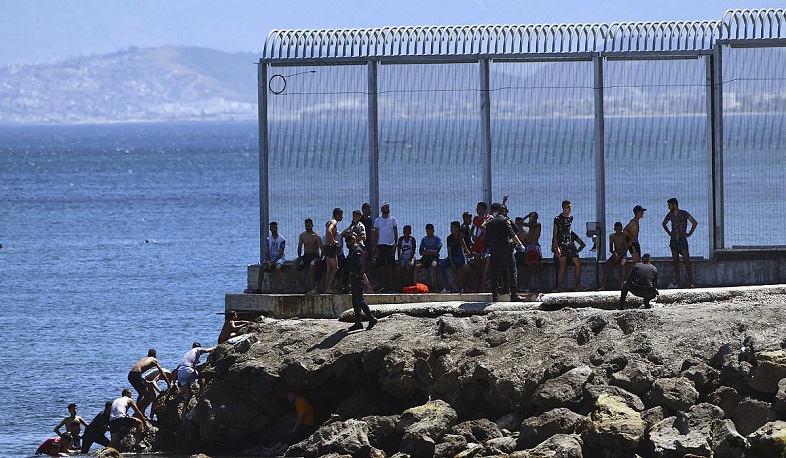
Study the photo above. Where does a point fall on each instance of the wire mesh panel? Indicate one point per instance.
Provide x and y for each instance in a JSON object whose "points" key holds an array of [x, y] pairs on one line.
{"points": [[657, 147], [429, 143], [543, 151], [318, 145], [754, 146]]}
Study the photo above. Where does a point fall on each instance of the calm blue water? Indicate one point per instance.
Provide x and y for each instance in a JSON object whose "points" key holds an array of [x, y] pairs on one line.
{"points": [[118, 238], [82, 296]]}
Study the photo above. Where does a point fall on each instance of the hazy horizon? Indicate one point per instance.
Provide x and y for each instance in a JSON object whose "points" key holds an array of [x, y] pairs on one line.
{"points": [[48, 31]]}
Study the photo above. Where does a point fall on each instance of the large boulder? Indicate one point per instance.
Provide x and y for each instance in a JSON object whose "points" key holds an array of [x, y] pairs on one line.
{"points": [[675, 394], [566, 390], [535, 430], [349, 437], [421, 427], [558, 446], [450, 445], [593, 392], [477, 430], [701, 431], [634, 377], [769, 440], [771, 368], [727, 399], [614, 425], [752, 414], [382, 432]]}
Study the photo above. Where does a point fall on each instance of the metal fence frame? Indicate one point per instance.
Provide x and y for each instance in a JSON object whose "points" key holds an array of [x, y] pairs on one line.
{"points": [[485, 44]]}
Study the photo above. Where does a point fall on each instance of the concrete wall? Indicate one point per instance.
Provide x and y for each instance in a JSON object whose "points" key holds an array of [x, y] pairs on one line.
{"points": [[727, 268]]}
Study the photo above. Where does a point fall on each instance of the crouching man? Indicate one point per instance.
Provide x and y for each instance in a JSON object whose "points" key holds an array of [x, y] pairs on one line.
{"points": [[642, 281]]}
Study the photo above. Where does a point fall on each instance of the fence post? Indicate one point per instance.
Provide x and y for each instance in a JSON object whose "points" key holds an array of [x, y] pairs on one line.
{"points": [[600, 158], [485, 129], [264, 196], [717, 236], [373, 138]]}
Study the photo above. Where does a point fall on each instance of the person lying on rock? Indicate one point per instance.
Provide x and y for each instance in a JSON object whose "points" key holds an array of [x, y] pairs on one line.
{"points": [[642, 281]]}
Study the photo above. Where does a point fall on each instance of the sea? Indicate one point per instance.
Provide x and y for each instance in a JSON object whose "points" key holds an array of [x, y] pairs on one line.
{"points": [[117, 238]]}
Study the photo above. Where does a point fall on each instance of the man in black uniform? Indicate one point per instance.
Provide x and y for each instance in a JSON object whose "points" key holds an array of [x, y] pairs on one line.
{"points": [[96, 430], [500, 236], [357, 282], [642, 281]]}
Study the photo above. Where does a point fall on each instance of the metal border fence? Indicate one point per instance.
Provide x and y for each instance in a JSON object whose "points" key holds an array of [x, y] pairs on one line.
{"points": [[485, 44]]}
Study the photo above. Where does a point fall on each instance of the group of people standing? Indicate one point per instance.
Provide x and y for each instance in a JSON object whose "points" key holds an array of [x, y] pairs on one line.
{"points": [[469, 247]]}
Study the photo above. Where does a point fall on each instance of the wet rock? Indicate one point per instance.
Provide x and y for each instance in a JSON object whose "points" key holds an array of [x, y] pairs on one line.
{"points": [[675, 394], [535, 430], [613, 424], [477, 430], [422, 426], [450, 445], [770, 370], [727, 399], [769, 440], [634, 377], [348, 437], [752, 414], [559, 446], [566, 390]]}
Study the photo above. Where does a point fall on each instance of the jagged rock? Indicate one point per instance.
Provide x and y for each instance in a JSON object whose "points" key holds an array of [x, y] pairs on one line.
{"points": [[728, 443], [614, 425], [199, 455], [471, 451], [727, 399], [450, 445], [652, 416], [769, 440], [108, 452], [770, 370], [703, 376], [675, 394], [348, 437], [634, 377], [558, 446], [669, 442], [477, 430], [592, 392], [422, 426], [701, 431], [503, 444], [566, 390], [780, 398], [399, 455], [382, 431], [510, 422], [535, 430], [752, 414]]}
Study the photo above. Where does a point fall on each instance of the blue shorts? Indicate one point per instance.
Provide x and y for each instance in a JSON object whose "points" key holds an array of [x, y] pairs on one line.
{"points": [[186, 375], [280, 262], [678, 244]]}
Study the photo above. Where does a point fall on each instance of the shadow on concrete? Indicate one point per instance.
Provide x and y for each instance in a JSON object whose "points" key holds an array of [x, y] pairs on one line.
{"points": [[330, 341]]}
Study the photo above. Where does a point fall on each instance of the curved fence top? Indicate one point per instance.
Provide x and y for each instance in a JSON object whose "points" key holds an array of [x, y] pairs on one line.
{"points": [[524, 39]]}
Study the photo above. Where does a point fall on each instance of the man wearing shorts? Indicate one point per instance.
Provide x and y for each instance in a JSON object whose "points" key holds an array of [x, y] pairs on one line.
{"points": [[309, 245], [430, 246], [619, 249], [188, 370], [678, 243], [533, 252], [631, 232], [141, 386], [274, 258], [120, 423], [385, 237], [330, 248]]}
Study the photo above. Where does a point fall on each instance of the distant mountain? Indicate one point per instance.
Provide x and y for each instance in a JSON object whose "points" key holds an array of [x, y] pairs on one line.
{"points": [[139, 84]]}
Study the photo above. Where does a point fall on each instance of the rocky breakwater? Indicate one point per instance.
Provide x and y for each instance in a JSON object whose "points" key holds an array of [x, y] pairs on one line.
{"points": [[700, 380]]}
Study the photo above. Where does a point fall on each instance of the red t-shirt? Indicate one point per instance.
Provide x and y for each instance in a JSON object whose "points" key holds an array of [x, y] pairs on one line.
{"points": [[479, 246], [46, 447]]}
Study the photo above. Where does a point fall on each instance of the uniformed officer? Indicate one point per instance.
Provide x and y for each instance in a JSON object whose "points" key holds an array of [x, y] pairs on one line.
{"points": [[500, 238]]}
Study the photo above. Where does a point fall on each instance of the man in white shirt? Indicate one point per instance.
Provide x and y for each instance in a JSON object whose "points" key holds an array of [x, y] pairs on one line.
{"points": [[385, 237], [119, 421]]}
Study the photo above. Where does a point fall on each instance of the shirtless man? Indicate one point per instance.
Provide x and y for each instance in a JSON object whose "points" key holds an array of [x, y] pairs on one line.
{"points": [[68, 421], [532, 252], [309, 245], [139, 383], [618, 247], [331, 249], [119, 421], [678, 235], [632, 234], [231, 326]]}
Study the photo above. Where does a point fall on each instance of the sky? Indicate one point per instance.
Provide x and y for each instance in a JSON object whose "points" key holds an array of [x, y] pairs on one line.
{"points": [[48, 31]]}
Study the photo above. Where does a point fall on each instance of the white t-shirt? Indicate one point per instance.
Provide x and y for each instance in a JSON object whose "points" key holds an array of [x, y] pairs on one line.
{"points": [[191, 358], [119, 408], [384, 227], [274, 245]]}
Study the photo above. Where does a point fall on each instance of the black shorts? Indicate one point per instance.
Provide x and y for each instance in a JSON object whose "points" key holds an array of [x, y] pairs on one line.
{"points": [[521, 259], [427, 260], [330, 251], [305, 260], [386, 255], [569, 251], [635, 248], [117, 425], [135, 379]]}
